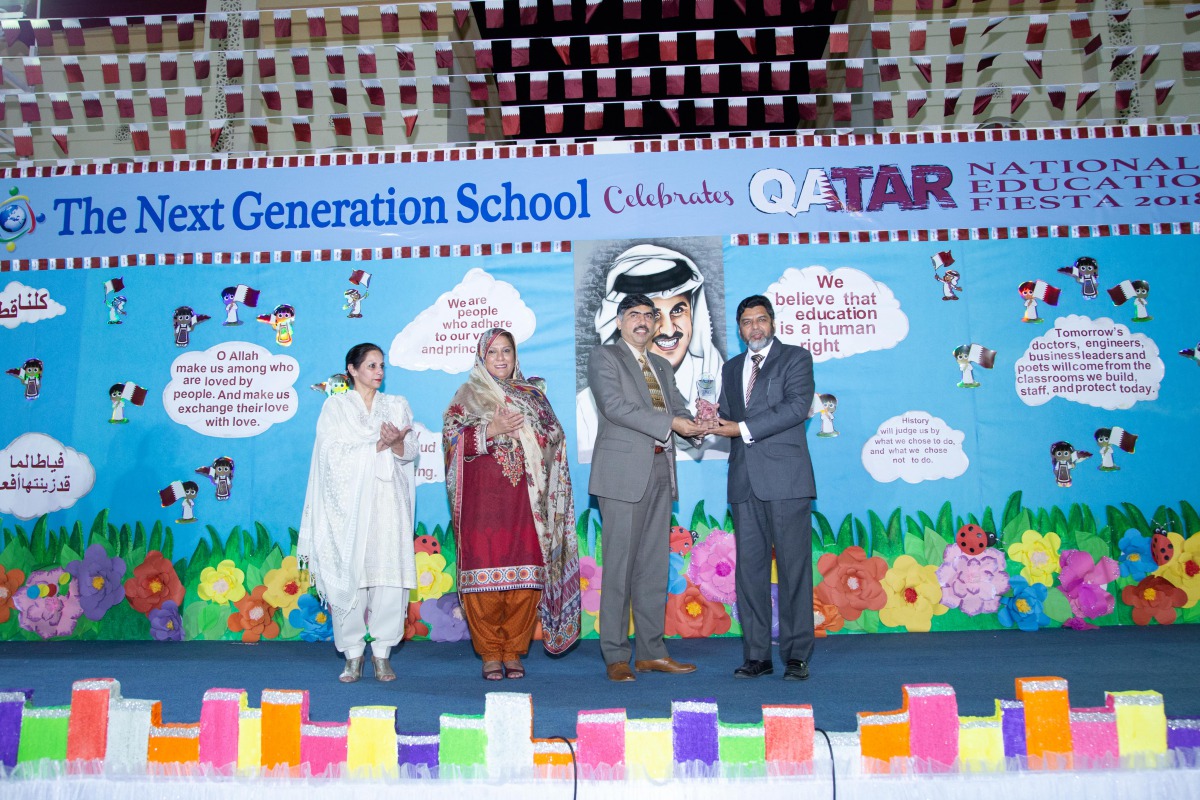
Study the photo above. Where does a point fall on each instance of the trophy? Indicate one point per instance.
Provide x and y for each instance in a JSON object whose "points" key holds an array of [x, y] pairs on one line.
{"points": [[706, 396]]}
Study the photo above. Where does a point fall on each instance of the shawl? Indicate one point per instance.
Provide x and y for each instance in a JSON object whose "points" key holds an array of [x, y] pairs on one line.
{"points": [[548, 478], [336, 523]]}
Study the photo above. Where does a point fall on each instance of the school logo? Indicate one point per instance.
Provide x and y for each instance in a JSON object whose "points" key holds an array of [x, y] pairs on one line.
{"points": [[17, 219]]}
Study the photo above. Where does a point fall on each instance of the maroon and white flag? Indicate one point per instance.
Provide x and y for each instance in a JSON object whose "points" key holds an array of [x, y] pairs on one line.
{"points": [[282, 22], [633, 114], [258, 131], [72, 70], [120, 29], [389, 19], [201, 64], [1122, 94], [705, 45], [177, 135], [349, 16], [785, 42], [476, 123], [1161, 90], [593, 116], [881, 36], [137, 395], [506, 87], [92, 109], [235, 64], [773, 110], [443, 56], [704, 9], [992, 24], [218, 25], [440, 84], [983, 98], [374, 92], [710, 79], [954, 69], [598, 48], [630, 9], [139, 135], [124, 99], [428, 12], [366, 60], [235, 101], [630, 46], [408, 90], [562, 10], [562, 46], [854, 73], [301, 129], [1081, 26], [30, 112], [916, 101], [1046, 293], [750, 77], [109, 70], [941, 260], [304, 96], [1122, 293], [606, 83], [985, 61], [1017, 96], [1149, 54], [1086, 91], [639, 81], [477, 84], [158, 102], [806, 104], [337, 93], [300, 61], [889, 70], [483, 56], [33, 70], [74, 32], [671, 109], [737, 111], [250, 25], [1123, 439], [1121, 55], [749, 39], [361, 278], [462, 12], [341, 124], [704, 112], [675, 79], [316, 23], [172, 494], [881, 103], [1036, 34], [950, 101], [137, 67], [519, 50], [841, 107], [1191, 56], [924, 65], [62, 106], [958, 32], [818, 75], [335, 61], [980, 355], [373, 123], [23, 142], [916, 36], [1034, 60], [781, 76], [573, 84], [266, 63], [839, 39], [538, 82], [1057, 95], [168, 66], [493, 14], [553, 118]]}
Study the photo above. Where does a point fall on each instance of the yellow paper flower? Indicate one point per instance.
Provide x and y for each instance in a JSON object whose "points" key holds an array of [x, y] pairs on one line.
{"points": [[286, 585], [914, 596], [222, 584], [432, 579], [1039, 555], [1183, 570]]}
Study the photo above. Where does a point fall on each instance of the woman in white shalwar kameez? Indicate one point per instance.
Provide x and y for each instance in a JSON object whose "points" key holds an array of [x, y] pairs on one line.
{"points": [[357, 527]]}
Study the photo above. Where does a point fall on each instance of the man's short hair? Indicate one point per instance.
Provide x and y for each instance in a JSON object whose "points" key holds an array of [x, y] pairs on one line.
{"points": [[754, 301], [632, 301]]}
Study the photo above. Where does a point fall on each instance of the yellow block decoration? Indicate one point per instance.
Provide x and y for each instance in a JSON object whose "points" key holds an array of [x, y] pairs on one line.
{"points": [[249, 758], [649, 753], [1141, 723], [371, 742], [980, 743]]}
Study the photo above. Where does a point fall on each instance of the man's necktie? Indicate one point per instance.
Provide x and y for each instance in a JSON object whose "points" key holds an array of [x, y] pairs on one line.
{"points": [[656, 395], [757, 359]]}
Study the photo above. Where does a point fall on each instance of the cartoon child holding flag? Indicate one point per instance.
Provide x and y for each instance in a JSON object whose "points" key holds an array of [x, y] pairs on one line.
{"points": [[122, 393], [969, 354], [281, 320], [1106, 439], [183, 492], [233, 296], [1031, 292]]}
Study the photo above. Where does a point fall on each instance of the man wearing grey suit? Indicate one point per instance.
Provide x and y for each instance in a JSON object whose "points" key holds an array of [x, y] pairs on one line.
{"points": [[633, 477], [765, 399]]}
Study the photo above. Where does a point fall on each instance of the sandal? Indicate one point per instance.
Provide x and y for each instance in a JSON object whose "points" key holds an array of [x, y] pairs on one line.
{"points": [[514, 669], [493, 671]]}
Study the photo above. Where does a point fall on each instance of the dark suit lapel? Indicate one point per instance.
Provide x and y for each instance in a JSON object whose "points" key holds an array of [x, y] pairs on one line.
{"points": [[766, 369], [734, 390], [629, 361]]}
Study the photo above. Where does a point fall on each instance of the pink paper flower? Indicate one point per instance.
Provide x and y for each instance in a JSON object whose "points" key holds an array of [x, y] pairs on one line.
{"points": [[714, 562], [1083, 581], [590, 575], [973, 584], [49, 603]]}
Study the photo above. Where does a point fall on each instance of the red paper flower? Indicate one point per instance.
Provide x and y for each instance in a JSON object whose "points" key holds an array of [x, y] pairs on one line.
{"points": [[414, 626], [255, 617], [154, 582], [851, 581], [10, 581], [1154, 598], [693, 616], [826, 617]]}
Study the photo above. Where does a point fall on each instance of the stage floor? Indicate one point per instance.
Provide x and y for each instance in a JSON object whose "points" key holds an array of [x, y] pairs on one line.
{"points": [[850, 673]]}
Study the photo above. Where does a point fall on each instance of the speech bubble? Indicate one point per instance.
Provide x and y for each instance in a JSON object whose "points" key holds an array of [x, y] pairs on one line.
{"points": [[836, 314], [431, 459], [20, 303], [444, 335], [1096, 363], [231, 390], [39, 474], [914, 446]]}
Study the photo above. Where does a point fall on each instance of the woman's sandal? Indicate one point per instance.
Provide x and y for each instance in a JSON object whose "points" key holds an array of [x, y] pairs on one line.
{"points": [[514, 669], [493, 671]]}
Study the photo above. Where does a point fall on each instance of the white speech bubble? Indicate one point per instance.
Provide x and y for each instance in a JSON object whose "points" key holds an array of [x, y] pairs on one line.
{"points": [[39, 474], [1096, 362], [20, 303], [836, 314], [444, 335], [231, 390], [914, 446], [431, 460]]}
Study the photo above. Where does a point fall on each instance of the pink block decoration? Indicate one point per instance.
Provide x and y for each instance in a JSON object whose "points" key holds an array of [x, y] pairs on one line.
{"points": [[1094, 735], [219, 727], [933, 724], [323, 746], [600, 743], [87, 729], [788, 736]]}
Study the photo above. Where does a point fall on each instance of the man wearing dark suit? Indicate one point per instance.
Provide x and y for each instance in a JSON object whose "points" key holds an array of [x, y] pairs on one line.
{"points": [[765, 398], [633, 477]]}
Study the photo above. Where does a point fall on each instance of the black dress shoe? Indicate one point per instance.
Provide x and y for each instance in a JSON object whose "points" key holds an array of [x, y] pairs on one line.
{"points": [[797, 670], [752, 669]]}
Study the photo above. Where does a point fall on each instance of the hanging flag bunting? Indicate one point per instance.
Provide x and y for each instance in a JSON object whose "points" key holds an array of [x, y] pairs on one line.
{"points": [[304, 96], [493, 14], [1034, 60], [301, 129], [337, 92], [705, 41], [750, 77], [839, 39], [316, 23], [71, 70], [335, 61], [374, 91], [1161, 90], [139, 134], [443, 56], [841, 107], [1092, 46], [886, 5], [598, 46], [193, 101], [1122, 94], [61, 105], [235, 64], [137, 67], [234, 99], [854, 73], [120, 30], [201, 65], [510, 121], [538, 82], [781, 76], [1017, 96], [950, 101], [573, 84], [506, 87], [773, 109], [29, 107], [916, 101], [639, 81], [881, 102], [158, 102], [958, 32], [985, 61], [282, 21], [1085, 93], [1118, 15], [806, 105], [478, 87], [703, 8], [1191, 11], [1036, 33], [73, 30], [593, 116], [785, 44], [249, 25], [408, 90], [630, 9], [124, 99], [389, 19], [341, 124], [476, 124], [553, 119], [520, 52], [373, 124], [1149, 54], [91, 105], [33, 70], [349, 20], [749, 39], [462, 12], [1081, 26], [299, 60], [889, 70], [924, 66], [59, 135], [633, 114], [992, 24], [704, 113], [629, 46], [366, 60], [562, 46], [177, 135], [916, 37], [42, 35], [983, 98], [270, 96], [1121, 56], [109, 70], [668, 46], [258, 131], [23, 143], [406, 62], [428, 12], [12, 31], [1057, 95], [675, 80], [881, 36], [671, 107], [818, 72], [710, 79], [218, 25], [954, 69], [153, 28], [736, 112]]}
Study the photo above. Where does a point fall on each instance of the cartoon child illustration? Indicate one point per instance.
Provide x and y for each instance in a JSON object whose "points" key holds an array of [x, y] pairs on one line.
{"points": [[187, 506], [1063, 458], [334, 384], [118, 404], [1192, 353], [229, 298], [1141, 290], [1026, 290], [30, 373], [1106, 450], [116, 309], [962, 354], [828, 406], [186, 320], [220, 472], [281, 320], [354, 300], [949, 280], [1087, 273]]}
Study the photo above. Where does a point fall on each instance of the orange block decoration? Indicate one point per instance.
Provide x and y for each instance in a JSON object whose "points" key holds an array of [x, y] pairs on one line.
{"points": [[87, 730], [552, 758], [172, 743], [284, 711], [883, 736], [788, 735], [1048, 741], [932, 724]]}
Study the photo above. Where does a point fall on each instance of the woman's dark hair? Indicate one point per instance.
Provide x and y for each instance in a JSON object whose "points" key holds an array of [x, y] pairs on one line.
{"points": [[357, 355]]}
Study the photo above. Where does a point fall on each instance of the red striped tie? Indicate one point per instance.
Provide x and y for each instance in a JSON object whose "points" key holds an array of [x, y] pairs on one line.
{"points": [[757, 359]]}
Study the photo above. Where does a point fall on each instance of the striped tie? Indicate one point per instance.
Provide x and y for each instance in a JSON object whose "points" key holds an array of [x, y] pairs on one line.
{"points": [[656, 395], [757, 359]]}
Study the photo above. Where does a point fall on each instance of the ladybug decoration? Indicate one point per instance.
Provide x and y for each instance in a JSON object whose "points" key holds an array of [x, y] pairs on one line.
{"points": [[682, 539], [426, 544], [973, 540], [1161, 547]]}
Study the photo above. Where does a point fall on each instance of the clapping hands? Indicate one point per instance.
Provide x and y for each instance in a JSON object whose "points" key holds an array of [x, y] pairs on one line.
{"points": [[392, 437]]}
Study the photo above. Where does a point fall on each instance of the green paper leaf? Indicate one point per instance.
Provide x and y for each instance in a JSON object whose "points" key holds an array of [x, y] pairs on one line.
{"points": [[1092, 544], [935, 548], [1057, 606]]}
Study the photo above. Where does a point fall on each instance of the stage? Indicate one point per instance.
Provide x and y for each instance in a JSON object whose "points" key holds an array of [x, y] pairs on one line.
{"points": [[850, 674]]}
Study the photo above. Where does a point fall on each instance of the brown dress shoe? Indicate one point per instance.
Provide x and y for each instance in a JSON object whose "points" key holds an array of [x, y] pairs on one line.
{"points": [[620, 672], [667, 664]]}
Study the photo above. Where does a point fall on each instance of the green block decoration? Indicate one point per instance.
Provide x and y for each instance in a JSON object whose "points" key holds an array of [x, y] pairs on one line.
{"points": [[741, 743], [462, 743], [44, 734]]}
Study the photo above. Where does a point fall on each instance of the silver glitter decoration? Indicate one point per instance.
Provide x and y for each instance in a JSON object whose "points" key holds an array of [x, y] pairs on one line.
{"points": [[250, 713], [978, 724], [373, 712], [693, 707], [282, 697], [1053, 685], [324, 731], [125, 704], [54, 712], [929, 690], [879, 719], [1093, 716], [223, 694], [1136, 699], [608, 718], [551, 748], [1183, 724], [787, 711], [752, 732], [648, 725], [1011, 704], [461, 723], [12, 697], [179, 732], [95, 684], [413, 741]]}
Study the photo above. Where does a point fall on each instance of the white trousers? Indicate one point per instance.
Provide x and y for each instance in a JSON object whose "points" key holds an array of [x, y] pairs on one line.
{"points": [[384, 609]]}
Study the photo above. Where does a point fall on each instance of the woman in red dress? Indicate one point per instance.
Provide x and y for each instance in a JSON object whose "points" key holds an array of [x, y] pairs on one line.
{"points": [[512, 510]]}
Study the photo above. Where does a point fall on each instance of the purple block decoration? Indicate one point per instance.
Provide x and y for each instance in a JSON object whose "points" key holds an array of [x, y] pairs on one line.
{"points": [[1012, 727], [12, 703], [1183, 732], [417, 750], [694, 731]]}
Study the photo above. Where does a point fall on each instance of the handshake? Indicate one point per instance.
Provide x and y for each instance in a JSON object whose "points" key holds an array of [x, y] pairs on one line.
{"points": [[707, 422]]}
